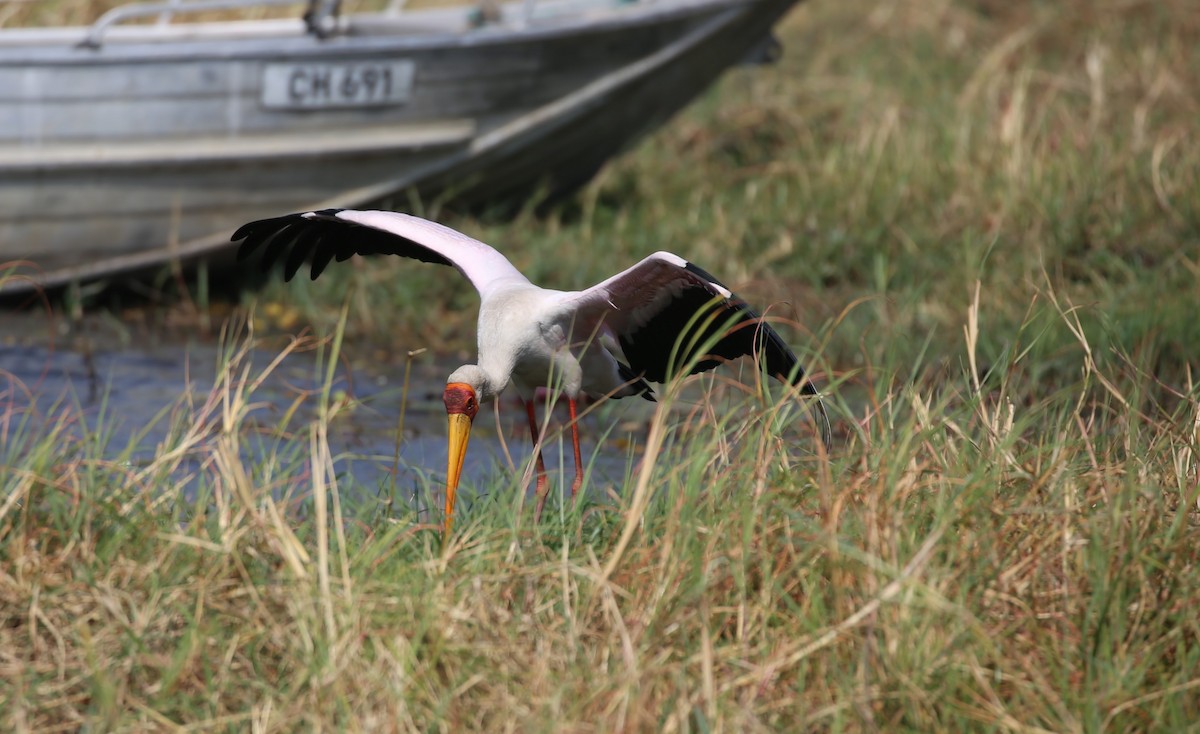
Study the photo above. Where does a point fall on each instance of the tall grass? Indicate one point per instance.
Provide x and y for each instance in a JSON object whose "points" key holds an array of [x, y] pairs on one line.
{"points": [[966, 561], [985, 217]]}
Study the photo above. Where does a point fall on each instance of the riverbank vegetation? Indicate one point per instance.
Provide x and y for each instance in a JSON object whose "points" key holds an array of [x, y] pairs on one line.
{"points": [[983, 220]]}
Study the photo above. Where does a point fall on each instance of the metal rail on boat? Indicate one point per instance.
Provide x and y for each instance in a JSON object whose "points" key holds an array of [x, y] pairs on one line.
{"points": [[166, 11], [320, 17]]}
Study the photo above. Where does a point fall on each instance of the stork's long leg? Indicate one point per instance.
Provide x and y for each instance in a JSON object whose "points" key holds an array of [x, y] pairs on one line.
{"points": [[536, 434], [575, 444]]}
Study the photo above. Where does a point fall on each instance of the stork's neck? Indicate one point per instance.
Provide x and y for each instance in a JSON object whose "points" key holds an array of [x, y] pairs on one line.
{"points": [[487, 384]]}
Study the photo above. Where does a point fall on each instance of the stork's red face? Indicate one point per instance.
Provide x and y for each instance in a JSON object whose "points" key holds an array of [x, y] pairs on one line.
{"points": [[461, 407], [460, 399]]}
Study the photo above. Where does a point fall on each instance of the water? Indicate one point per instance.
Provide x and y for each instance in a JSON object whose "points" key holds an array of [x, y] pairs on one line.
{"points": [[142, 391]]}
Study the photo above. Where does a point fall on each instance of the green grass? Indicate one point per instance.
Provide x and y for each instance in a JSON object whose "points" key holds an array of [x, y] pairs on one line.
{"points": [[983, 219]]}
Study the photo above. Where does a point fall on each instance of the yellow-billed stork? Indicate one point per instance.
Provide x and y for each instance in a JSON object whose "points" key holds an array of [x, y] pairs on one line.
{"points": [[645, 323]]}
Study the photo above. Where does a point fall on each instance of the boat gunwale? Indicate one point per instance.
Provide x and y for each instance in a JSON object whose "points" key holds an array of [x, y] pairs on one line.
{"points": [[364, 34]]}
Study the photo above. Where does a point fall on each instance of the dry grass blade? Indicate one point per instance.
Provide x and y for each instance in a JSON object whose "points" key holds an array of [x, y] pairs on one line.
{"points": [[985, 213]]}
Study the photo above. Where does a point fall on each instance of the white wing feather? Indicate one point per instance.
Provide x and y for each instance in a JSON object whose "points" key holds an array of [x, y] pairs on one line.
{"points": [[479, 262], [631, 297]]}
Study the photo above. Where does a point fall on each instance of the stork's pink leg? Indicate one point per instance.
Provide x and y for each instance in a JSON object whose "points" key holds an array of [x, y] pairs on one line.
{"points": [[535, 434], [575, 444]]}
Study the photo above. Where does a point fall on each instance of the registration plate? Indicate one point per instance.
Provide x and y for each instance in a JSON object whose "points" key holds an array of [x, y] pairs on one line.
{"points": [[337, 84]]}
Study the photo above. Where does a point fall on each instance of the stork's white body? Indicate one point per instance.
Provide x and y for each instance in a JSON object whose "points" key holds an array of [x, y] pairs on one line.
{"points": [[663, 316], [527, 335], [529, 338]]}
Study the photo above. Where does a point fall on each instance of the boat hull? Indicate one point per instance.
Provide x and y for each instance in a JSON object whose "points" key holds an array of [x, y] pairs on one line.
{"points": [[141, 152]]}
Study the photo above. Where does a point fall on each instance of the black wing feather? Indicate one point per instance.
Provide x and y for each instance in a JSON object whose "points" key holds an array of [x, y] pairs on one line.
{"points": [[277, 242], [700, 317], [319, 237], [304, 243], [702, 329], [321, 259]]}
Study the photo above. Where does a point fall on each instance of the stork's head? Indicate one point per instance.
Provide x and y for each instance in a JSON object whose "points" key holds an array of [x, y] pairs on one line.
{"points": [[460, 400], [463, 392]]}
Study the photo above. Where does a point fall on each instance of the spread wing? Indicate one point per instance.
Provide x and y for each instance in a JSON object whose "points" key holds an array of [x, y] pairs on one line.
{"points": [[668, 314], [336, 234]]}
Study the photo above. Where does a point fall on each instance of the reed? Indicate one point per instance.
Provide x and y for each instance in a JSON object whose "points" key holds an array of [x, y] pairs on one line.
{"points": [[981, 220]]}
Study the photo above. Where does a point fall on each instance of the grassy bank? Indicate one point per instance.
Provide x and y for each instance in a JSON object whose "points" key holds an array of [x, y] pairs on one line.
{"points": [[962, 564], [983, 218]]}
